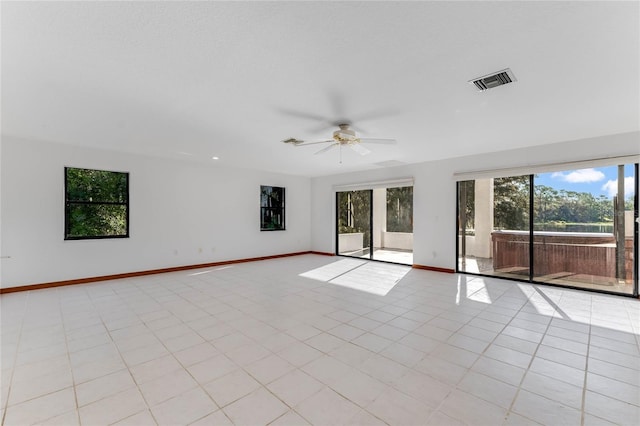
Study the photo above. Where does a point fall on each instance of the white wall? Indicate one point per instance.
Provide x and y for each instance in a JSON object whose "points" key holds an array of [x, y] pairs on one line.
{"points": [[178, 208], [181, 213], [434, 192], [1, 255]]}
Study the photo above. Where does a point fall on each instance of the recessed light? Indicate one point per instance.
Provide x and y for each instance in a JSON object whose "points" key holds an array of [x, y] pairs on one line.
{"points": [[215, 158]]}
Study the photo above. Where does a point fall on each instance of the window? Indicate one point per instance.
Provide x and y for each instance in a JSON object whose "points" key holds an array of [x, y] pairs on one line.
{"points": [[272, 208], [96, 204]]}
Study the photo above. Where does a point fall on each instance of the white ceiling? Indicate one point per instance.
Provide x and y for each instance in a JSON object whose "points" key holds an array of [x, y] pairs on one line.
{"points": [[192, 80]]}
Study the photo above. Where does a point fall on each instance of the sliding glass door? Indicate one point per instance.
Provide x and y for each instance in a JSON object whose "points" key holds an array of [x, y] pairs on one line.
{"points": [[376, 224], [493, 226], [573, 228], [354, 223], [393, 225], [584, 228]]}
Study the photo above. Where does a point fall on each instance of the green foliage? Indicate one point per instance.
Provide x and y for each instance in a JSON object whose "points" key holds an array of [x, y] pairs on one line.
{"points": [[96, 203], [467, 194], [97, 220], [551, 205], [272, 196], [272, 208], [400, 209], [354, 209], [354, 213], [344, 229], [629, 203], [272, 219], [553, 209], [511, 203], [96, 186]]}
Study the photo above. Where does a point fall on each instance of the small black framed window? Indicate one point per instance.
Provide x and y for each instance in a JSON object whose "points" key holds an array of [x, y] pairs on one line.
{"points": [[272, 209], [96, 204]]}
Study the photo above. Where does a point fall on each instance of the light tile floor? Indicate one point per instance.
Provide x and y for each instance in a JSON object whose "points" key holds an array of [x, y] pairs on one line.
{"points": [[262, 343]]}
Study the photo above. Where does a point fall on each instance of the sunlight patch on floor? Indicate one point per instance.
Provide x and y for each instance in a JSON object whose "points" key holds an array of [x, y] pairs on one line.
{"points": [[371, 277], [209, 271], [328, 272], [474, 289]]}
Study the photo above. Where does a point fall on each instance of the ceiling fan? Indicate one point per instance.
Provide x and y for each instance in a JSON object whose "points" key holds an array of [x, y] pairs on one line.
{"points": [[344, 136]]}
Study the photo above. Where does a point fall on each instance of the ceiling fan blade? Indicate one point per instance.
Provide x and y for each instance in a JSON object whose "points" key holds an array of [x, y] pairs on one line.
{"points": [[372, 116], [327, 148], [338, 112], [359, 149], [315, 142], [327, 125], [379, 141], [303, 114]]}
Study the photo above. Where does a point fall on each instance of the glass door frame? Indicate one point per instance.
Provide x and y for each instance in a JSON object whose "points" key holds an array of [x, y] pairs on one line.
{"points": [[337, 227], [371, 226], [531, 279]]}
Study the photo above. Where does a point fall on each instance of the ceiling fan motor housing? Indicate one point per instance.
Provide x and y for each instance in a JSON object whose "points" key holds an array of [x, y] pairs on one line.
{"points": [[345, 134]]}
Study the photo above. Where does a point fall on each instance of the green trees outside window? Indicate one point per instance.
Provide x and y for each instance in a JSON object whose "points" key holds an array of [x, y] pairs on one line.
{"points": [[96, 204], [511, 197], [400, 209], [354, 211], [272, 208], [553, 209], [567, 227]]}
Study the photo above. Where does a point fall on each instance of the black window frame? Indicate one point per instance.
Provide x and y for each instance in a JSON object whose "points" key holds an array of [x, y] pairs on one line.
{"points": [[275, 210], [69, 203]]}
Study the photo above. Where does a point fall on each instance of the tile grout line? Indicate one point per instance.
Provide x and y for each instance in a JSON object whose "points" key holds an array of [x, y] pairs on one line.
{"points": [[586, 368], [468, 369], [66, 343], [123, 361], [185, 368], [198, 384], [15, 357], [55, 292], [533, 357], [242, 368]]}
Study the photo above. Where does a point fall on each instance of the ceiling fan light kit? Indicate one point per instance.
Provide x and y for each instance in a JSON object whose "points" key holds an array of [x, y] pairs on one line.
{"points": [[293, 141]]}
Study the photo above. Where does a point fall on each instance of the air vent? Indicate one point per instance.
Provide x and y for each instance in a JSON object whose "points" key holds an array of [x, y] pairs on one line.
{"points": [[494, 80]]}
